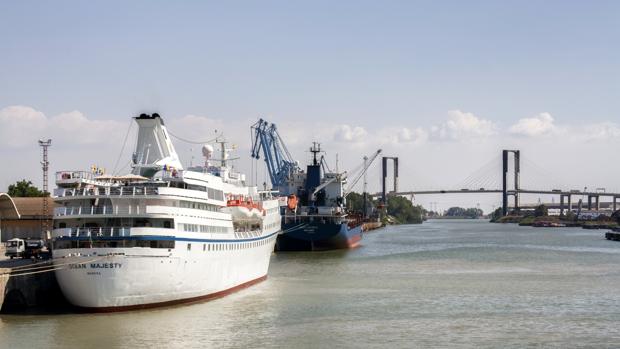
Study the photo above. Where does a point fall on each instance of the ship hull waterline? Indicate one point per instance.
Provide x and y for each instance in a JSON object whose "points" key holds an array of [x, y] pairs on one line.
{"points": [[318, 237]]}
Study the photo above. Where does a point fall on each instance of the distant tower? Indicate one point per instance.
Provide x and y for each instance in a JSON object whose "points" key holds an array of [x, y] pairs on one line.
{"points": [[45, 165]]}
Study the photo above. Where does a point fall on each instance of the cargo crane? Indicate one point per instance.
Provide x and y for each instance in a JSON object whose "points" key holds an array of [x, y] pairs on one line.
{"points": [[367, 162], [280, 164]]}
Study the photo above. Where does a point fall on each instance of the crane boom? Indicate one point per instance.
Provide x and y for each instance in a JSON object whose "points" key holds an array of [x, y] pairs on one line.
{"points": [[362, 172], [280, 163]]}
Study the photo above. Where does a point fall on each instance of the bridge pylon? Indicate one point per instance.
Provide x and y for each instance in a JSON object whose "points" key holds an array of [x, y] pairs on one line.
{"points": [[517, 172], [384, 170]]}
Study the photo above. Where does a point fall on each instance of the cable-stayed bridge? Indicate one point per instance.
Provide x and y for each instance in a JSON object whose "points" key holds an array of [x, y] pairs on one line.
{"points": [[501, 176]]}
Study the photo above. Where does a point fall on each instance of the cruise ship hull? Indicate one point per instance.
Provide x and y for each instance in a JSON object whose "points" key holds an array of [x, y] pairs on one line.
{"points": [[121, 279], [318, 237]]}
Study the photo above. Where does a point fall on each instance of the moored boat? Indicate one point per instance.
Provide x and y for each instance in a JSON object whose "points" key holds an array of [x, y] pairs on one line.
{"points": [[162, 234]]}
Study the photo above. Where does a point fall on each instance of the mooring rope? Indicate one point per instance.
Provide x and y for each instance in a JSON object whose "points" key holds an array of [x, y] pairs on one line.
{"points": [[26, 271], [30, 265], [294, 228]]}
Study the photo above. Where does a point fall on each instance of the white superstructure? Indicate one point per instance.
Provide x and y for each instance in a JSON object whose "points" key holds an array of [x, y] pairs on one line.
{"points": [[162, 234]]}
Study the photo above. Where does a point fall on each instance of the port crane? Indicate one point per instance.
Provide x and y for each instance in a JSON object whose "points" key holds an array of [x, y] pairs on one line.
{"points": [[280, 164], [367, 162]]}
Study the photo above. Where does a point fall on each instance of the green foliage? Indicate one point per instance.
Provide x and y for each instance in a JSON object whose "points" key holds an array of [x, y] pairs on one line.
{"points": [[616, 216], [355, 202], [25, 188], [464, 212], [403, 210], [541, 210], [496, 215]]}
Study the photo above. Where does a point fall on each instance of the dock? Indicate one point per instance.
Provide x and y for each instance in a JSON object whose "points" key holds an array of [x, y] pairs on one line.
{"points": [[612, 235], [26, 284]]}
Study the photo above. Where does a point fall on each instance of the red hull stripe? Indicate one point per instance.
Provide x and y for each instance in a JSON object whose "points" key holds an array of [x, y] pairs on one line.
{"points": [[174, 302], [354, 241]]}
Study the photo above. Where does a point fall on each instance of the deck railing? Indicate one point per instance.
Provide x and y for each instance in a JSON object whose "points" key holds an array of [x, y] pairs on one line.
{"points": [[92, 232], [99, 210], [111, 191]]}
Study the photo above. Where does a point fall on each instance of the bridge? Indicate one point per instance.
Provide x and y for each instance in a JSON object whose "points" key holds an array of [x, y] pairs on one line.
{"points": [[478, 183]]}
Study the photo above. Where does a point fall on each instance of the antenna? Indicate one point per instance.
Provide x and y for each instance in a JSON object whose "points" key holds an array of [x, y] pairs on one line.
{"points": [[45, 166], [316, 148]]}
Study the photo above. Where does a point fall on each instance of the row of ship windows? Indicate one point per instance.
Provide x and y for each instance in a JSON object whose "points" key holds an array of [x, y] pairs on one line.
{"points": [[169, 244], [230, 247], [65, 244], [211, 193], [199, 206], [195, 228], [272, 225], [272, 210]]}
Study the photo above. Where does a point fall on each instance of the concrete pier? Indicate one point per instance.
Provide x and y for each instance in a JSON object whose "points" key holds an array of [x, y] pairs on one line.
{"points": [[612, 235], [24, 284]]}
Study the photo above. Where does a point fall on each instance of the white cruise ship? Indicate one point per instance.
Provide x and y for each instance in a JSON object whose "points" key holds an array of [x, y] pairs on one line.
{"points": [[162, 234]]}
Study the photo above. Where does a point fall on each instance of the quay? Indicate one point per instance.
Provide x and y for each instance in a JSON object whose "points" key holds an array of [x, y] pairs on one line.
{"points": [[25, 284], [368, 226], [613, 235]]}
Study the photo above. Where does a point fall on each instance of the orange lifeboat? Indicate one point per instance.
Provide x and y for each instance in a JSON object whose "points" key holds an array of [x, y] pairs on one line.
{"points": [[244, 208], [292, 202]]}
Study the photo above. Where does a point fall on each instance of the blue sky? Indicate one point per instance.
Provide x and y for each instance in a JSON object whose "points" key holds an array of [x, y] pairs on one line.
{"points": [[383, 65]]}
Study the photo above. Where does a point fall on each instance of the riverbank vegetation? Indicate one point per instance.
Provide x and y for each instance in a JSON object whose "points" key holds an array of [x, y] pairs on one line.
{"points": [[400, 210], [540, 217]]}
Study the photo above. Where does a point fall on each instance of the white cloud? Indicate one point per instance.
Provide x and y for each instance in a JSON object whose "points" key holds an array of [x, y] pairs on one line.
{"points": [[404, 135], [417, 135], [463, 126], [346, 133], [602, 131], [540, 125], [20, 126], [77, 128], [197, 128]]}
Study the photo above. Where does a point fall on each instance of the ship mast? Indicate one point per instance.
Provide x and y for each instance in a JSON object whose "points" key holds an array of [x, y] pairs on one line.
{"points": [[315, 149]]}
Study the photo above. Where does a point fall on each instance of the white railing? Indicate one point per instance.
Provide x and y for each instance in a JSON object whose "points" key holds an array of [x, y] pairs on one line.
{"points": [[110, 191], [71, 176], [99, 210], [92, 232]]}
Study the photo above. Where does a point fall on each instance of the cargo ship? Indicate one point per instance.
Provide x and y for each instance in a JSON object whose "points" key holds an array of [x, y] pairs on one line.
{"points": [[315, 217], [161, 234], [313, 202]]}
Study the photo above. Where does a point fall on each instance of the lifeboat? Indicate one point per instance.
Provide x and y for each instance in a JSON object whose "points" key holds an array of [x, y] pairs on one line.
{"points": [[244, 209], [291, 202]]}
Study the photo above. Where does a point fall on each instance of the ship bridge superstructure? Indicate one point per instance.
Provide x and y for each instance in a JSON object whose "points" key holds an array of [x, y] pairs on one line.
{"points": [[159, 197]]}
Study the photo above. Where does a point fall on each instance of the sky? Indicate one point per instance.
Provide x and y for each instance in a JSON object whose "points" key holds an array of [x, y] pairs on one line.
{"points": [[443, 85]]}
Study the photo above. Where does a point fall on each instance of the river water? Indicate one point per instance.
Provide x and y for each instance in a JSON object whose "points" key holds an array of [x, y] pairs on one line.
{"points": [[455, 283]]}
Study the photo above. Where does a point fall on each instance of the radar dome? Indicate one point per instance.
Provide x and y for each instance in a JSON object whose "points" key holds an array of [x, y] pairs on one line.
{"points": [[207, 150]]}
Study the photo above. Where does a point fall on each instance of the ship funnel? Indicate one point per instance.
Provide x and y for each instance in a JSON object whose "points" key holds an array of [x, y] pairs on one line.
{"points": [[154, 149]]}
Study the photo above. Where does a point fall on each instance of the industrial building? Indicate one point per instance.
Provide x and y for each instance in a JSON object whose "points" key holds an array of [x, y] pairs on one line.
{"points": [[23, 217]]}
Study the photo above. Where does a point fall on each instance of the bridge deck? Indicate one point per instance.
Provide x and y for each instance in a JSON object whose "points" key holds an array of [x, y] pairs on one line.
{"points": [[495, 191]]}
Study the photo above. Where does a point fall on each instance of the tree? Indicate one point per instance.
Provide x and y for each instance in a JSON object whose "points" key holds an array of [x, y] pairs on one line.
{"points": [[355, 202], [541, 211], [25, 188], [466, 213], [497, 214], [616, 216], [404, 211]]}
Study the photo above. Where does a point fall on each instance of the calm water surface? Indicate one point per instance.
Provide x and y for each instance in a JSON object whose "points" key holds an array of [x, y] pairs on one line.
{"points": [[441, 284]]}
